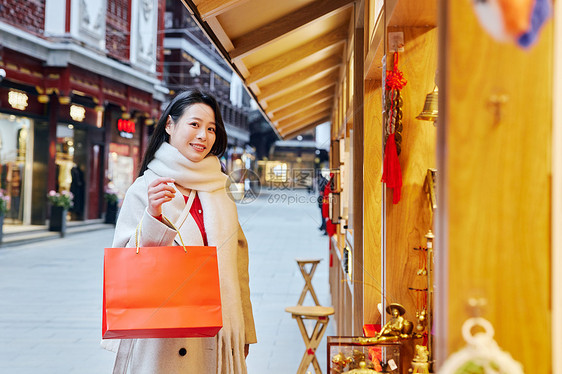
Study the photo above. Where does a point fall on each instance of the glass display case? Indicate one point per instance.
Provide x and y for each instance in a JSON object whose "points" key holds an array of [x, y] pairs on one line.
{"points": [[347, 354]]}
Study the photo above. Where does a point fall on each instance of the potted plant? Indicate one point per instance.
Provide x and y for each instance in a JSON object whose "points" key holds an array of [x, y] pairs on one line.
{"points": [[60, 203], [3, 209], [111, 212]]}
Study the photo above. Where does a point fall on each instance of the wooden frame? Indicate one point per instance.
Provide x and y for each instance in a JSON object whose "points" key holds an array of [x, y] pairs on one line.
{"points": [[297, 95], [303, 76], [271, 67], [213, 8], [310, 105], [356, 211], [261, 37], [557, 194], [302, 126], [349, 345]]}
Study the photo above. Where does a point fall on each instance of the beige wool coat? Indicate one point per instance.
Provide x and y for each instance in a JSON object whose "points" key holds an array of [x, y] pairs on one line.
{"points": [[192, 355]]}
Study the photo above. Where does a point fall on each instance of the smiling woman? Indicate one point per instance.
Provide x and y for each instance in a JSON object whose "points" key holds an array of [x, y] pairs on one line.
{"points": [[181, 185], [187, 108], [194, 133]]}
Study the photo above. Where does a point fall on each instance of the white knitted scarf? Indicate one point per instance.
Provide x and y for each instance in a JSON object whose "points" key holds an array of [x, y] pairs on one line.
{"points": [[221, 226], [202, 176]]}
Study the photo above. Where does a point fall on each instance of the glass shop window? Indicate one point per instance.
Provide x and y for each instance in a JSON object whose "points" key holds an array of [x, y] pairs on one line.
{"points": [[14, 144], [71, 161]]}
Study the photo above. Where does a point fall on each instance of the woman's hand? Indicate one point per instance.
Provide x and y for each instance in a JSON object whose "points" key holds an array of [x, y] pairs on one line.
{"points": [[246, 350], [159, 192]]}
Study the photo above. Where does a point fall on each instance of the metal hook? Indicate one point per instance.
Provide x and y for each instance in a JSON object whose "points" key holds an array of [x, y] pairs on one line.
{"points": [[496, 102], [476, 306]]}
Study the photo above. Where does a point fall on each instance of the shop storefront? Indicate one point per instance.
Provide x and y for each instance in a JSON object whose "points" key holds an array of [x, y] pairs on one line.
{"points": [[79, 156], [462, 226], [16, 137], [124, 150], [67, 129], [101, 130], [23, 158]]}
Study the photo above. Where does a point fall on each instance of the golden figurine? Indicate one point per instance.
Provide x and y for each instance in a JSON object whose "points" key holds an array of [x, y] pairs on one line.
{"points": [[356, 359], [395, 329], [422, 322], [362, 369], [420, 363], [339, 362]]}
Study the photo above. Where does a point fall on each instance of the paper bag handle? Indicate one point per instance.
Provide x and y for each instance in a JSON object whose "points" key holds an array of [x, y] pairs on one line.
{"points": [[138, 229]]}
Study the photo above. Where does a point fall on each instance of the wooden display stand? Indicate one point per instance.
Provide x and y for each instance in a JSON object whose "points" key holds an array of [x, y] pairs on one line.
{"points": [[321, 315], [307, 276]]}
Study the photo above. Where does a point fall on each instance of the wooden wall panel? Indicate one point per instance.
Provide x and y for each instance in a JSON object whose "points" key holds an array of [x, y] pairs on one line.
{"points": [[373, 201], [342, 295], [410, 219], [497, 183]]}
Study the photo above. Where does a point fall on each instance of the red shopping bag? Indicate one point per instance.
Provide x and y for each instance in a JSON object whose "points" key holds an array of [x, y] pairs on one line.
{"points": [[161, 292]]}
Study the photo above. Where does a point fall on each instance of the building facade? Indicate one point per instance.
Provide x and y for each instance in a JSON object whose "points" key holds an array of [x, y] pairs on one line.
{"points": [[81, 87]]}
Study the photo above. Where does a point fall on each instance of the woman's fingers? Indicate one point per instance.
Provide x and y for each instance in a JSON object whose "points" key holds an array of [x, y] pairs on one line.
{"points": [[159, 192], [160, 180], [157, 202], [161, 183]]}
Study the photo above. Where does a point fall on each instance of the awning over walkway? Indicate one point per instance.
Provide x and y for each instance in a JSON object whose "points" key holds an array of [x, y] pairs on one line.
{"points": [[288, 52]]}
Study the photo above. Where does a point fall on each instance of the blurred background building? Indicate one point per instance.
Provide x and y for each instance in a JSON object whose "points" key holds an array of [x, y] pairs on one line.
{"points": [[83, 84]]}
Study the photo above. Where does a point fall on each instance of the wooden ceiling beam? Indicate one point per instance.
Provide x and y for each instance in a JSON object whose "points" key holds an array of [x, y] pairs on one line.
{"points": [[300, 118], [270, 67], [212, 8], [246, 44], [220, 33], [315, 108], [301, 105], [307, 90], [306, 128], [303, 76], [304, 122]]}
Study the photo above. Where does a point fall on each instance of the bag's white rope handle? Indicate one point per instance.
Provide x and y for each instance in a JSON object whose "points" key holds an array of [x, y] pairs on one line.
{"points": [[138, 229]]}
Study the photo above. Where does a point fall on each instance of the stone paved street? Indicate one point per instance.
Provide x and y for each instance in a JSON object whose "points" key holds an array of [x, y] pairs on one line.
{"points": [[50, 292]]}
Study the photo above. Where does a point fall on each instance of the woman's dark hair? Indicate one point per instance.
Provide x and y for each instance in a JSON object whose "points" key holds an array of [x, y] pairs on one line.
{"points": [[175, 109]]}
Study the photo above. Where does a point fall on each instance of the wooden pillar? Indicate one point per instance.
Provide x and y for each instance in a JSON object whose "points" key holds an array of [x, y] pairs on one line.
{"points": [[358, 143], [494, 194], [372, 201]]}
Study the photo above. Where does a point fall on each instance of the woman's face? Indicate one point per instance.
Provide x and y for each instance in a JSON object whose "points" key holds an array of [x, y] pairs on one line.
{"points": [[194, 132]]}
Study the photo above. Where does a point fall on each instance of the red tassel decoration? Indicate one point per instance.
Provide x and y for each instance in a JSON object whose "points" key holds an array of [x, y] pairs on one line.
{"points": [[392, 174]]}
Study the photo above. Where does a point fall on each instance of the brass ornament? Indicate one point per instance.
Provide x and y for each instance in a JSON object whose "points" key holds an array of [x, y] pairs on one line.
{"points": [[395, 329], [430, 108], [394, 122], [362, 369], [420, 363]]}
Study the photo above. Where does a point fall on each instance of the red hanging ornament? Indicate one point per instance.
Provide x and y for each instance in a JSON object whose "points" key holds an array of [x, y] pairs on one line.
{"points": [[395, 78], [392, 173]]}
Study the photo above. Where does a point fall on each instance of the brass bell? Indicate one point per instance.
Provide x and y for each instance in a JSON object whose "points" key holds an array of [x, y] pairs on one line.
{"points": [[429, 112]]}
